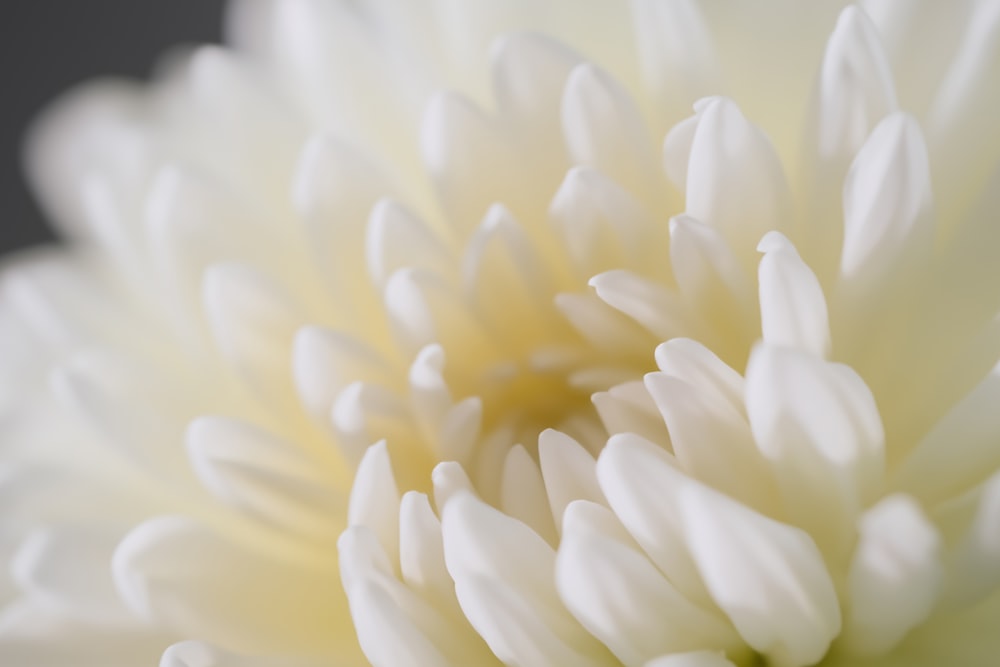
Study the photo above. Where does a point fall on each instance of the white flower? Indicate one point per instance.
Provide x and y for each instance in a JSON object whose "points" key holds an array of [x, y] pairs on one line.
{"points": [[445, 334]]}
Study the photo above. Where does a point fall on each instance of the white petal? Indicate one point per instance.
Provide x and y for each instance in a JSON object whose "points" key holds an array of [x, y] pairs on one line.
{"points": [[792, 306], [67, 567], [624, 601], [95, 385], [381, 605], [334, 190], [640, 481], [522, 493], [469, 159], [502, 273], [602, 225], [604, 129], [678, 59], [421, 554], [364, 412], [974, 566], [601, 325], [649, 303], [268, 477], [712, 441], [628, 408], [516, 630], [677, 150], [906, 28], [855, 87], [569, 472], [692, 362], [190, 222], [324, 362], [887, 199], [768, 577], [451, 428], [178, 572], [967, 100], [894, 575], [959, 452], [503, 579], [710, 278], [693, 659], [818, 425], [396, 238], [375, 499], [529, 73], [200, 654], [424, 308], [387, 634], [449, 479], [735, 181], [253, 321]]}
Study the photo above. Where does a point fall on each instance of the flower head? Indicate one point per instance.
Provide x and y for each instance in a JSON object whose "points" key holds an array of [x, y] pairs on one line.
{"points": [[474, 333]]}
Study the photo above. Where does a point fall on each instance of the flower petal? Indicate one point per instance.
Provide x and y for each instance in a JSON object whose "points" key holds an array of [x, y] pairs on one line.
{"points": [[768, 577], [624, 601], [792, 306], [894, 576], [818, 425]]}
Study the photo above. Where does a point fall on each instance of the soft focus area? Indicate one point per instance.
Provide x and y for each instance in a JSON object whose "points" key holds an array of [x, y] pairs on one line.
{"points": [[450, 333]]}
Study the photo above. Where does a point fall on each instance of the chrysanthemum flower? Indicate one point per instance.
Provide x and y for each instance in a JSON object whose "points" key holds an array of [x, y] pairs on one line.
{"points": [[456, 333]]}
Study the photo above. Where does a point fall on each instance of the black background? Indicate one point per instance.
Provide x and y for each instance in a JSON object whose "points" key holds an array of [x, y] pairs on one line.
{"points": [[47, 46]]}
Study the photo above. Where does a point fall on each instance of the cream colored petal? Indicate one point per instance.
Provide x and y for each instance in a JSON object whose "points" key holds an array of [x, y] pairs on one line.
{"points": [[363, 413], [421, 553], [792, 305], [819, 427], [624, 601], [200, 654], [960, 451], [529, 72], [502, 572], [325, 361], [650, 304], [95, 385], [692, 659], [974, 565], [424, 308], [641, 482], [628, 407], [692, 362], [855, 88], [195, 581], [253, 321], [767, 576], [66, 567], [375, 499], [677, 58], [966, 101], [397, 238], [449, 478], [735, 181], [602, 225], [268, 477], [569, 472], [711, 280], [887, 201], [894, 577], [468, 156], [713, 442], [523, 493], [603, 129]]}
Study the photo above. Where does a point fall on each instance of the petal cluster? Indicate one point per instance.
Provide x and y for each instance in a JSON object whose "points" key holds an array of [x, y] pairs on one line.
{"points": [[449, 333]]}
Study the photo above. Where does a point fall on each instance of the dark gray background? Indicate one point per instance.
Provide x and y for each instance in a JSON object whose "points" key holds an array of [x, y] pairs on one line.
{"points": [[48, 45]]}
